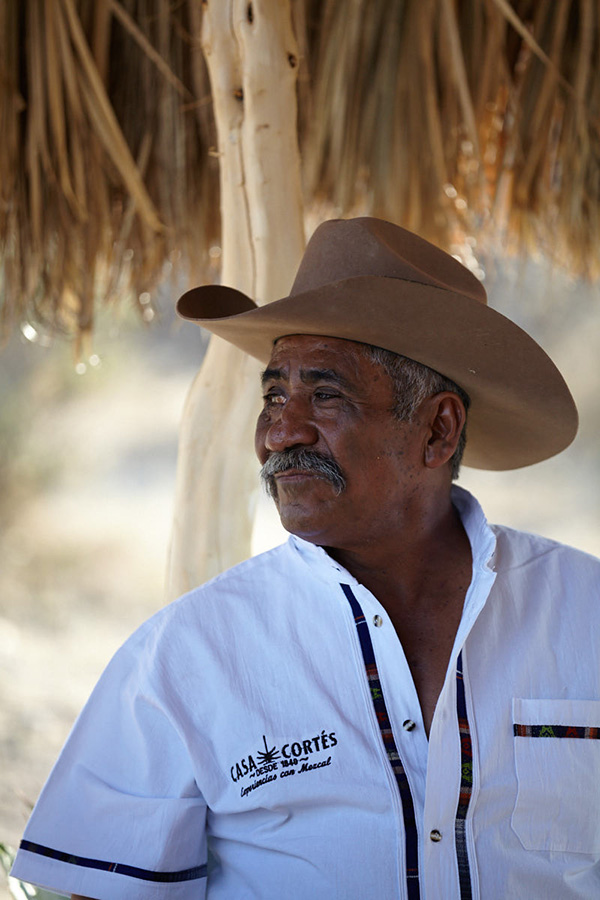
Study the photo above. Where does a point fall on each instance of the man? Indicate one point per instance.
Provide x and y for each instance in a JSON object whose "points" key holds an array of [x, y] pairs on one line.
{"points": [[400, 702]]}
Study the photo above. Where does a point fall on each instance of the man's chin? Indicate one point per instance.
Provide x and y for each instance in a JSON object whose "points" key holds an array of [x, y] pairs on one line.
{"points": [[306, 520]]}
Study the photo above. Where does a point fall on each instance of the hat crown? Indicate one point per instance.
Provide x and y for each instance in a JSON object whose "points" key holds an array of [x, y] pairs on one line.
{"points": [[352, 248]]}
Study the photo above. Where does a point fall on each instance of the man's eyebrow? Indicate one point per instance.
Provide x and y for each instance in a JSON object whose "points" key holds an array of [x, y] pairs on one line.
{"points": [[271, 375], [313, 376], [308, 376]]}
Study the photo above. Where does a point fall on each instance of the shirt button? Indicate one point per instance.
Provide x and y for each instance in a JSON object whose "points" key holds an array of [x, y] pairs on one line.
{"points": [[435, 836], [408, 725], [377, 621]]}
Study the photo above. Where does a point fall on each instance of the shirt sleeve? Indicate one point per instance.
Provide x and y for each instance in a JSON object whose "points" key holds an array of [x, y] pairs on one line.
{"points": [[121, 815]]}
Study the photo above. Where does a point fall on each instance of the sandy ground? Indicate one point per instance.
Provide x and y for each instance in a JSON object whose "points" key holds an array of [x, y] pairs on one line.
{"points": [[83, 546]]}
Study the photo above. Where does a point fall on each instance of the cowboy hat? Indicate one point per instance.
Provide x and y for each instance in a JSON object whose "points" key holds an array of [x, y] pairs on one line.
{"points": [[371, 281]]}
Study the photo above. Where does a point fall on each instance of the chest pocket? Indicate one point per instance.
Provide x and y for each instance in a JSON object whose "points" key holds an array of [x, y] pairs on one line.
{"points": [[557, 759]]}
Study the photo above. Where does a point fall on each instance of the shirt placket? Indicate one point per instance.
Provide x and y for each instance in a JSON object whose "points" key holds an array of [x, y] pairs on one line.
{"points": [[435, 768], [408, 738], [452, 780]]}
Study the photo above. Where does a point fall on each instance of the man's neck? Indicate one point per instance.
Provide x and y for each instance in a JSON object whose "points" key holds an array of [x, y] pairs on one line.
{"points": [[402, 566], [421, 578]]}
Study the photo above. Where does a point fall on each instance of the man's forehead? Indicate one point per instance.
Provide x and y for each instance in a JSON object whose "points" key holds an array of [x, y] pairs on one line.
{"points": [[302, 336], [309, 343], [319, 357], [311, 349]]}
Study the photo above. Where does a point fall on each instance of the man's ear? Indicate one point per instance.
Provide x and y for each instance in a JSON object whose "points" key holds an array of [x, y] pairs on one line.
{"points": [[447, 418]]}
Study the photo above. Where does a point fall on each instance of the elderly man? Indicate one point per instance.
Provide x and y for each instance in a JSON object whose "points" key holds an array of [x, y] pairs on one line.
{"points": [[400, 702]]}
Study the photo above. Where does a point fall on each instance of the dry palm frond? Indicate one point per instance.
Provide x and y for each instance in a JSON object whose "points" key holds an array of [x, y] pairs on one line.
{"points": [[495, 112], [105, 177], [471, 121]]}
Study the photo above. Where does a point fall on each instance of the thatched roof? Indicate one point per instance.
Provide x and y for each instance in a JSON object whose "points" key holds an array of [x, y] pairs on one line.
{"points": [[467, 120]]}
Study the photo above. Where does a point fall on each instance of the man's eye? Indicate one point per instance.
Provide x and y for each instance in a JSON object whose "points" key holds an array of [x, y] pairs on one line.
{"points": [[324, 394], [272, 398]]}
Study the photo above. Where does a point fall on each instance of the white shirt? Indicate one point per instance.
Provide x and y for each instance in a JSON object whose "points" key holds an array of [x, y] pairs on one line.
{"points": [[235, 734]]}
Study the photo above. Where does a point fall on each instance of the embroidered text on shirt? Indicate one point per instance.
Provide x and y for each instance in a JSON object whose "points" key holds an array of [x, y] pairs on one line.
{"points": [[292, 758]]}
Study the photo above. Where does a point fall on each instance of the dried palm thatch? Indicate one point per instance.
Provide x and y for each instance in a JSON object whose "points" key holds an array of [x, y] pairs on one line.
{"points": [[463, 118], [470, 121], [105, 173]]}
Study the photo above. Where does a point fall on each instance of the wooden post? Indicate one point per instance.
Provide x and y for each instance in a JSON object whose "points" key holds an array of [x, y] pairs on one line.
{"points": [[252, 60]]}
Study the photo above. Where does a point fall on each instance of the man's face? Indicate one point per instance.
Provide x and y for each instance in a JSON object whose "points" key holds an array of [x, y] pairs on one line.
{"points": [[324, 396]]}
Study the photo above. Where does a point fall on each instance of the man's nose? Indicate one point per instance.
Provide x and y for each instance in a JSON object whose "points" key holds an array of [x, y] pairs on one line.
{"points": [[292, 427]]}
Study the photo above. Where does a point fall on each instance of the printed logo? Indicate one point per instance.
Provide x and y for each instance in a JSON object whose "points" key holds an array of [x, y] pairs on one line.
{"points": [[272, 762]]}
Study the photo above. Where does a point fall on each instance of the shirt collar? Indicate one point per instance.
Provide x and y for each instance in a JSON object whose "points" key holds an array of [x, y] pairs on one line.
{"points": [[481, 536], [319, 561]]}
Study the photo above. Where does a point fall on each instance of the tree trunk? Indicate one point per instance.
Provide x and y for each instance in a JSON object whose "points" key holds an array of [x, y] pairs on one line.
{"points": [[252, 60]]}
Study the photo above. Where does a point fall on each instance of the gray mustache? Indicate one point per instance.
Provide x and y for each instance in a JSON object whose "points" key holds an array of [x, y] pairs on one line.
{"points": [[304, 460]]}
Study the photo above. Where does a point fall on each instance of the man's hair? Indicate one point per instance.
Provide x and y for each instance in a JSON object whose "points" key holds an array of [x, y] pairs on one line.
{"points": [[413, 382]]}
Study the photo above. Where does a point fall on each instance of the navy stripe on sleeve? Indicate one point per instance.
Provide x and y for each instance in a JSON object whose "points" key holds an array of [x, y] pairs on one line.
{"points": [[118, 868]]}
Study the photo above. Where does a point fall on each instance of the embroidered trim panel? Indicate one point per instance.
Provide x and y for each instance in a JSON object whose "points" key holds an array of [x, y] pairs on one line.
{"points": [[408, 810], [584, 732], [466, 786]]}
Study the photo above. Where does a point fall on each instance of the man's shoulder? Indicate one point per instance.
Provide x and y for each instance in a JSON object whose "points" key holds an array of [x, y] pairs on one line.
{"points": [[236, 601], [515, 549], [254, 573], [244, 590]]}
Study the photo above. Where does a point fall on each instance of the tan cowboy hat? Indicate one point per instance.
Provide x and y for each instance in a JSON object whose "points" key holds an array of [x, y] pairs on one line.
{"points": [[370, 281]]}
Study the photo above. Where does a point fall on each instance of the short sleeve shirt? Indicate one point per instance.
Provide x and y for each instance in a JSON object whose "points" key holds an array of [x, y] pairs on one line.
{"points": [[262, 738]]}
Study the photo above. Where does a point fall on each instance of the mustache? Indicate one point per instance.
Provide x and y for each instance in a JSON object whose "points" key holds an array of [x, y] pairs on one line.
{"points": [[322, 466]]}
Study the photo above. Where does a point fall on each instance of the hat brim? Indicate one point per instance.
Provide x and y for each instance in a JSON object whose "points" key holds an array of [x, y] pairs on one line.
{"points": [[521, 409]]}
